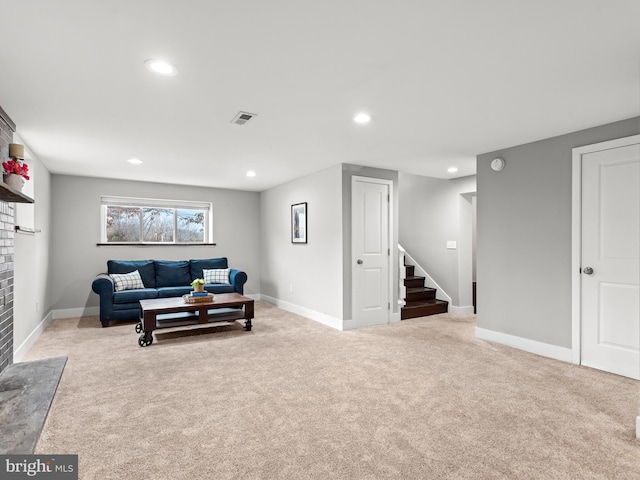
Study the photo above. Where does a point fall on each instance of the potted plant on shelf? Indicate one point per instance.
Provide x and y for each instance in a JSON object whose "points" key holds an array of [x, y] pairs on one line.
{"points": [[198, 285], [15, 172]]}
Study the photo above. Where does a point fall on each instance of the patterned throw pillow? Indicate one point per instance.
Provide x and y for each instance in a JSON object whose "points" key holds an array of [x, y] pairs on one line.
{"points": [[216, 275], [127, 281]]}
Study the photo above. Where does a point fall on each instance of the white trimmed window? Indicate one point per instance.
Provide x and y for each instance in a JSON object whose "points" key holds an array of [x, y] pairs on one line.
{"points": [[152, 221]]}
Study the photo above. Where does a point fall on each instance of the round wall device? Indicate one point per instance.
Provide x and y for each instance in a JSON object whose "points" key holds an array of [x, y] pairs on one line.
{"points": [[497, 164]]}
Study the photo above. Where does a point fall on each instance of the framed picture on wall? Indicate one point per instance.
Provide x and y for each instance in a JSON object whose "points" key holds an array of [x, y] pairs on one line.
{"points": [[299, 223]]}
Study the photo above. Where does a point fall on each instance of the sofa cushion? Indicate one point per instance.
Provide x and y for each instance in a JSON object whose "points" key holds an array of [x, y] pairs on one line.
{"points": [[127, 281], [197, 265], [216, 275], [172, 274], [145, 267], [219, 288], [164, 292], [129, 296]]}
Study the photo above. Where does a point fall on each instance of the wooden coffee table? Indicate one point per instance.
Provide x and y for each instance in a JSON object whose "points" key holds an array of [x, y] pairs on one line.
{"points": [[157, 313]]}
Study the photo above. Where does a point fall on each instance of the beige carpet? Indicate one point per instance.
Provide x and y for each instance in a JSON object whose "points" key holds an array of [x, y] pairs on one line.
{"points": [[292, 399]]}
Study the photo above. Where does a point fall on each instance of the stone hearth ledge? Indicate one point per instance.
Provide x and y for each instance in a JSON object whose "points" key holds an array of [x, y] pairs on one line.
{"points": [[26, 392]]}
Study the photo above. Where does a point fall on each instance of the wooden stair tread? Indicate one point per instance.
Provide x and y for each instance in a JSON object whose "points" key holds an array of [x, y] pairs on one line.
{"points": [[412, 282], [420, 289], [423, 309], [425, 302], [419, 294]]}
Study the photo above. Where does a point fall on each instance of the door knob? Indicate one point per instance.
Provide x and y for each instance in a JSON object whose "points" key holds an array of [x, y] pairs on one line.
{"points": [[588, 270], [359, 262]]}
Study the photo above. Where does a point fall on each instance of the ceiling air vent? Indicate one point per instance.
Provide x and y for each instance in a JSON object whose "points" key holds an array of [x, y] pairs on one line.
{"points": [[242, 117]]}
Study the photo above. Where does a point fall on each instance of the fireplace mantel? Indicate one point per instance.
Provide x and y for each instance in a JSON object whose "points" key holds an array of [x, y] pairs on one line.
{"points": [[9, 194]]}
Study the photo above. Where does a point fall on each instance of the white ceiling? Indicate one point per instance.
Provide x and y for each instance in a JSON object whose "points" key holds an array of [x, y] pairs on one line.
{"points": [[442, 80]]}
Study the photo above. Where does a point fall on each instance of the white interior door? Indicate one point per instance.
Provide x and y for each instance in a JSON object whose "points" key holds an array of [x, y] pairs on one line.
{"points": [[610, 262], [370, 251]]}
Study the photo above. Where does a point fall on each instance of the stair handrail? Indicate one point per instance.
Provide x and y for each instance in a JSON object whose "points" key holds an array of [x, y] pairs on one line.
{"points": [[429, 281]]}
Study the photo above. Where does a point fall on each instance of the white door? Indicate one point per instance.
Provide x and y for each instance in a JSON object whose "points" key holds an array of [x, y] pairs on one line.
{"points": [[611, 260], [370, 250]]}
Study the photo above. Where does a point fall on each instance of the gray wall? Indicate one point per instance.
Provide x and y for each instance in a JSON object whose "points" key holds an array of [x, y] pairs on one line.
{"points": [[524, 235], [76, 230], [429, 216], [314, 269], [319, 271], [32, 275]]}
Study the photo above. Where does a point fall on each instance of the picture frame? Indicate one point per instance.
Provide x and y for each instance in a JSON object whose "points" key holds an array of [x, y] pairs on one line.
{"points": [[299, 223]]}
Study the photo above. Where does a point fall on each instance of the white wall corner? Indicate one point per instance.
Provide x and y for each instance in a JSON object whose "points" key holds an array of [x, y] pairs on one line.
{"points": [[349, 325], [25, 346], [402, 274], [576, 356], [75, 312], [460, 310], [638, 426], [531, 346]]}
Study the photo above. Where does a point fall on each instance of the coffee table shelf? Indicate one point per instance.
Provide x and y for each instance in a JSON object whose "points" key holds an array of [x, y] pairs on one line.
{"points": [[169, 320]]}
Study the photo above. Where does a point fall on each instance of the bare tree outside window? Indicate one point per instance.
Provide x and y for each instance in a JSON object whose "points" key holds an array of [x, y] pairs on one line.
{"points": [[123, 224], [155, 224], [190, 225]]}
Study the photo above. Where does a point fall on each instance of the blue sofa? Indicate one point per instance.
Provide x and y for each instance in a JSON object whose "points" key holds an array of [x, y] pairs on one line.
{"points": [[161, 278]]}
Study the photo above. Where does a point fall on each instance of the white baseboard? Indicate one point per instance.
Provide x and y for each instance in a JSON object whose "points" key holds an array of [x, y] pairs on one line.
{"points": [[461, 310], [22, 350], [532, 346], [319, 317], [76, 312]]}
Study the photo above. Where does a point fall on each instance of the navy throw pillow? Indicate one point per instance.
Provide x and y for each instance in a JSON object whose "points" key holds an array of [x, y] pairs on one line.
{"points": [[145, 267]]}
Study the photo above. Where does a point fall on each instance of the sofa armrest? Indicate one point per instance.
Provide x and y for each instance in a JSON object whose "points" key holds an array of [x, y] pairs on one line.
{"points": [[103, 285], [237, 278]]}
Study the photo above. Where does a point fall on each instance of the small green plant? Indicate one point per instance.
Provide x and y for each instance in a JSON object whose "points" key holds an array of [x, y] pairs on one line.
{"points": [[197, 282]]}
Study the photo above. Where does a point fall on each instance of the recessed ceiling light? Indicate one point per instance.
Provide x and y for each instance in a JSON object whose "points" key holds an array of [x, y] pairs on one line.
{"points": [[362, 118], [135, 161], [160, 67], [251, 173], [452, 169]]}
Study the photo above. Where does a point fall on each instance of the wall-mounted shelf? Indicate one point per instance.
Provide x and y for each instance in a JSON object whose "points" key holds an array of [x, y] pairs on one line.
{"points": [[20, 229], [9, 194]]}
